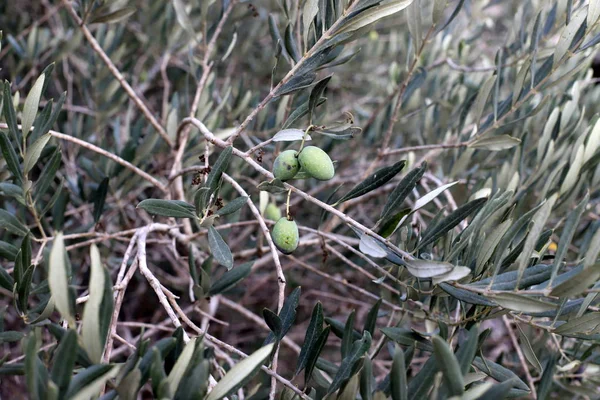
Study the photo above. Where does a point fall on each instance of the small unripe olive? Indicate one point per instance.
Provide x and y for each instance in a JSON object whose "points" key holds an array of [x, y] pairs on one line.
{"points": [[286, 165], [316, 163], [285, 235], [272, 212]]}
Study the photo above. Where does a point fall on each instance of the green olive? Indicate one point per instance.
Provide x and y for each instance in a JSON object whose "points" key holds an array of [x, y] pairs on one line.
{"points": [[272, 212], [316, 163], [285, 235], [286, 165]]}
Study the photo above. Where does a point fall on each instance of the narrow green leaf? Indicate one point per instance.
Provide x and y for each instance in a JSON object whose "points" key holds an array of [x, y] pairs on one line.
{"points": [[47, 176], [347, 337], [565, 40], [240, 373], [230, 278], [375, 180], [10, 157], [547, 380], [371, 319], [233, 206], [319, 89], [567, 234], [10, 115], [12, 224], [273, 321], [168, 208], [100, 198], [495, 143], [366, 380], [539, 220], [287, 314], [372, 15], [584, 324], [32, 103], [315, 327], [521, 302], [448, 364], [359, 348], [64, 361], [33, 153], [313, 354], [421, 384], [528, 350], [577, 284], [398, 376], [219, 249], [89, 382], [427, 268], [451, 221], [467, 350], [91, 334], [406, 185], [407, 337], [184, 359], [214, 177], [114, 16]]}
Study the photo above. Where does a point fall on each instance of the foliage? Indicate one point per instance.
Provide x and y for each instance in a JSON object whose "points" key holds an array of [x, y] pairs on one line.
{"points": [[446, 204]]}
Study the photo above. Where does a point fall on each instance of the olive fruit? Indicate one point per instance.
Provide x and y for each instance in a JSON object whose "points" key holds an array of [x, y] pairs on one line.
{"points": [[285, 235], [286, 165], [272, 212], [316, 163]]}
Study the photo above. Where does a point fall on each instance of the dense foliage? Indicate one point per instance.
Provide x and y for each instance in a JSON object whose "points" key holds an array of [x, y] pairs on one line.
{"points": [[299, 199]]}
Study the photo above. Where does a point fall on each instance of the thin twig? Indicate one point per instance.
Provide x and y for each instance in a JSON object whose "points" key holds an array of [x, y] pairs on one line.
{"points": [[117, 74]]}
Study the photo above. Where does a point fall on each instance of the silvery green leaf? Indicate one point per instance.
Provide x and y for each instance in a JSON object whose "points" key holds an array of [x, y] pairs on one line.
{"points": [[424, 200], [370, 247], [89, 383], [454, 275], [32, 103], [573, 175], [58, 280], [240, 373], [593, 142], [372, 15], [577, 284], [428, 268], [565, 40], [413, 16], [34, 151], [583, 324], [91, 326], [481, 99], [184, 359], [593, 250], [290, 135], [310, 11], [521, 302], [495, 143]]}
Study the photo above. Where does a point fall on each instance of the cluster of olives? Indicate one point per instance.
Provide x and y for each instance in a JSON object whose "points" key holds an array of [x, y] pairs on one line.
{"points": [[315, 163]]}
